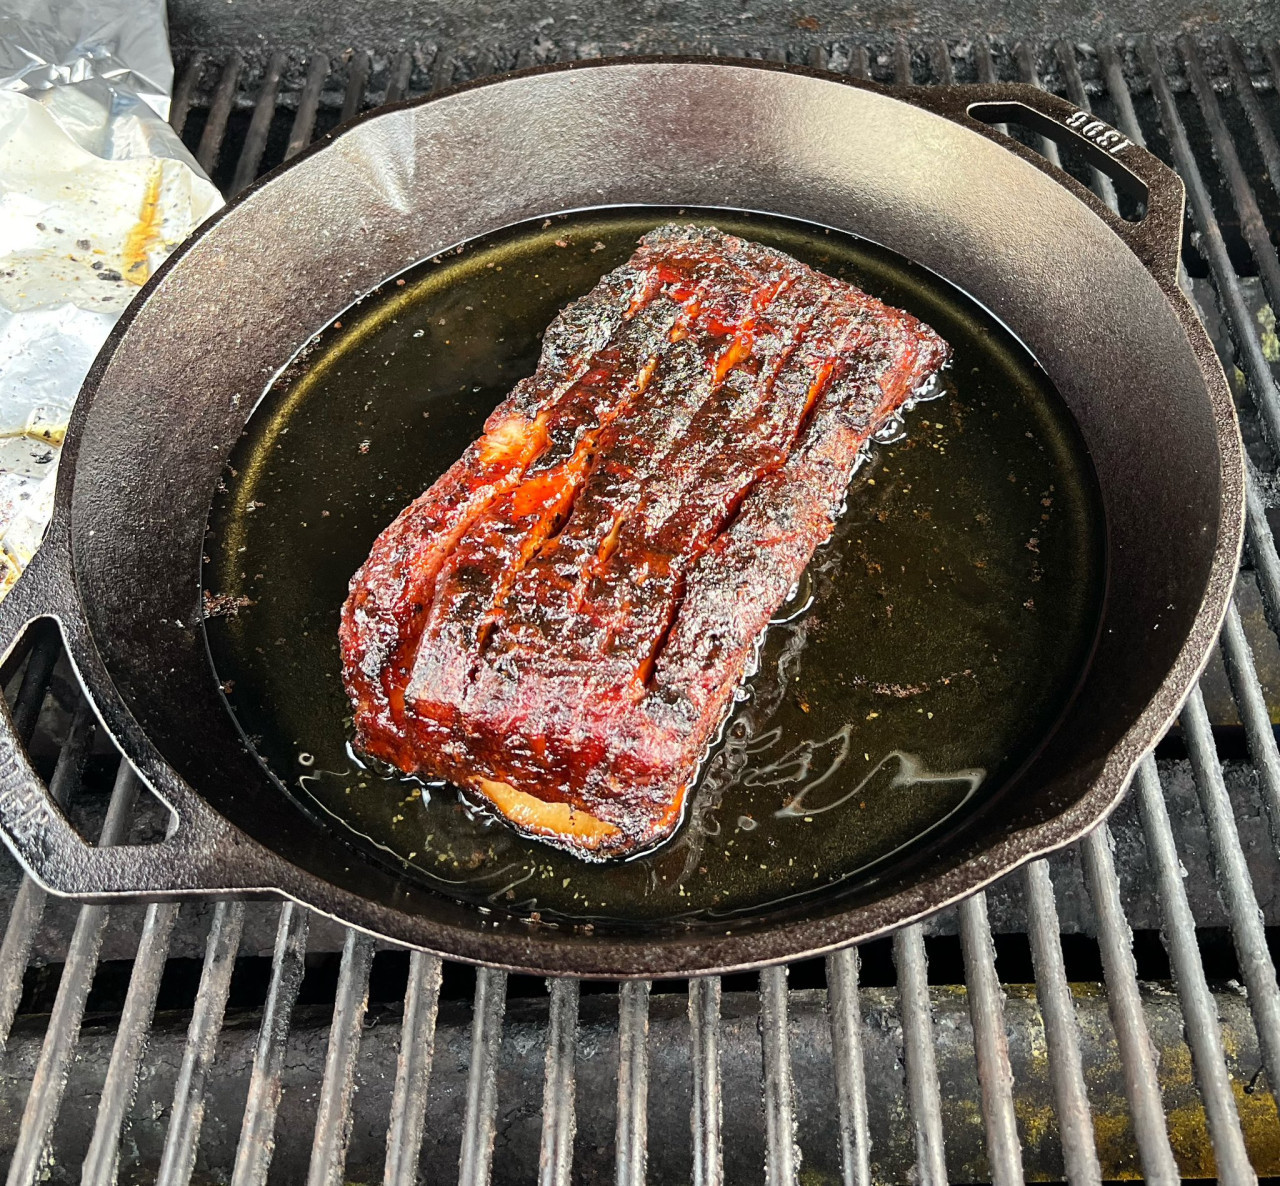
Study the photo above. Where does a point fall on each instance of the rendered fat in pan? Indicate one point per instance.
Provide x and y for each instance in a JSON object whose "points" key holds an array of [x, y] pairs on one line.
{"points": [[1095, 299]]}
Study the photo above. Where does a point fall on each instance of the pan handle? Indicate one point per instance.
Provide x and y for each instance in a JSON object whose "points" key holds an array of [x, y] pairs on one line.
{"points": [[1156, 239], [202, 852]]}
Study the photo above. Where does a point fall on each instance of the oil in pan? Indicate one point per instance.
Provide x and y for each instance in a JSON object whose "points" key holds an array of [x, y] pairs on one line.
{"points": [[925, 657]]}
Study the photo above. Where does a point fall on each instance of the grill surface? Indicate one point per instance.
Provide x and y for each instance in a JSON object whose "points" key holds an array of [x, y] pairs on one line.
{"points": [[1030, 1033]]}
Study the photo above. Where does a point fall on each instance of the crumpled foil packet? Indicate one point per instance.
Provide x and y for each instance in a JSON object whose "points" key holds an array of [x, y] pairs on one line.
{"points": [[95, 191]]}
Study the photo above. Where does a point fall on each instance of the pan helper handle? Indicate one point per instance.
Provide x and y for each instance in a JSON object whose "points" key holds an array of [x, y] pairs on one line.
{"points": [[195, 855], [1150, 222]]}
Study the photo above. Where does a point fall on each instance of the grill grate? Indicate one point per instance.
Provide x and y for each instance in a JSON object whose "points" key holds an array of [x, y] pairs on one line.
{"points": [[1027, 1033]]}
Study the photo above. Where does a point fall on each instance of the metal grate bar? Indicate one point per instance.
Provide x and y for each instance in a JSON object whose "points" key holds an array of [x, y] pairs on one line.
{"points": [[559, 1115], [219, 112], [1234, 882], [1261, 546], [187, 1115], [1066, 56], [255, 141], [357, 76], [63, 1033], [1027, 72], [1025, 57], [258, 1129], [304, 120], [29, 902], [1137, 1056], [183, 93], [902, 64], [413, 1070], [1242, 84], [121, 1084], [35, 683], [1118, 91], [986, 66], [708, 1108], [400, 73], [442, 70], [985, 61], [1202, 1025], [922, 1070], [333, 1117], [860, 62], [782, 1158], [940, 56], [1061, 1029], [1238, 659], [850, 1069], [525, 57], [480, 1125], [986, 1009], [631, 1145]]}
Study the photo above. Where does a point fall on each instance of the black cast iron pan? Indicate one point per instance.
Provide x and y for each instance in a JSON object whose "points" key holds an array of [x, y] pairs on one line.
{"points": [[1095, 299]]}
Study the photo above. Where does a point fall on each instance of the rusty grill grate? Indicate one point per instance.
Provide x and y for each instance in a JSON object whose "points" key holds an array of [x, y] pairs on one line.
{"points": [[1029, 1033]]}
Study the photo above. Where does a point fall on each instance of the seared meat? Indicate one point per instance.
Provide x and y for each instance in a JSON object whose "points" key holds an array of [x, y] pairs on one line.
{"points": [[559, 623]]}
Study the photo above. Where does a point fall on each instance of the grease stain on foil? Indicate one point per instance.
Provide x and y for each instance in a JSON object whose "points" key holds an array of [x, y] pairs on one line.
{"points": [[96, 189]]}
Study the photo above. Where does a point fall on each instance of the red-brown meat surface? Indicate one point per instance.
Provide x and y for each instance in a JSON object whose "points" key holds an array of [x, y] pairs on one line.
{"points": [[559, 623]]}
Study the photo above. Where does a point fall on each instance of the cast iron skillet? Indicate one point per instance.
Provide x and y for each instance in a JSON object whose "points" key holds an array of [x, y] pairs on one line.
{"points": [[1095, 299]]}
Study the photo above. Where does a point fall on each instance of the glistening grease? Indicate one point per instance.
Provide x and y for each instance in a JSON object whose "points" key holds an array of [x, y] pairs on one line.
{"points": [[925, 655]]}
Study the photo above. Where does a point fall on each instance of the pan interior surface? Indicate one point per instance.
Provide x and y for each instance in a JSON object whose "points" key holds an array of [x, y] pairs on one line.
{"points": [[925, 658]]}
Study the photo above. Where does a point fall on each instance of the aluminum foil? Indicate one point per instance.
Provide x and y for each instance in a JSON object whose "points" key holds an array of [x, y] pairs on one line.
{"points": [[95, 191]]}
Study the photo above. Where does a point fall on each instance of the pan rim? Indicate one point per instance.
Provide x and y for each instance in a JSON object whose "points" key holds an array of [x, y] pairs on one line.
{"points": [[550, 952]]}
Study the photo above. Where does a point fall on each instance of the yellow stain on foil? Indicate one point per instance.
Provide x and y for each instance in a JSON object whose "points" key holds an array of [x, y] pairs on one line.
{"points": [[9, 573], [50, 434], [145, 235]]}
